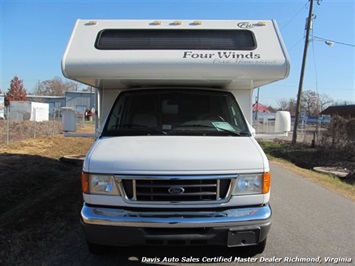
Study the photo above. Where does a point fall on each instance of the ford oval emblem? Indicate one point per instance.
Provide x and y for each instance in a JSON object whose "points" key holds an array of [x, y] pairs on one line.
{"points": [[176, 190]]}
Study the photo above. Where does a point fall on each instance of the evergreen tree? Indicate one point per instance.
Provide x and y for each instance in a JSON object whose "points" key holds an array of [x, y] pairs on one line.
{"points": [[16, 92]]}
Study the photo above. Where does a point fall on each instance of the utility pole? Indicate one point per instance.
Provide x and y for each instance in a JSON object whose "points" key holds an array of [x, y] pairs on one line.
{"points": [[298, 105]]}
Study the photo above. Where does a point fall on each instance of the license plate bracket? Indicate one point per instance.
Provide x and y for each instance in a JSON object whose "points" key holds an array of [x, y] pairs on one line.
{"points": [[242, 238]]}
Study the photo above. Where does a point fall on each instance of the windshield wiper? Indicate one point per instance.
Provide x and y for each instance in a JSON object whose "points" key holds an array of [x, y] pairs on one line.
{"points": [[140, 128], [234, 133]]}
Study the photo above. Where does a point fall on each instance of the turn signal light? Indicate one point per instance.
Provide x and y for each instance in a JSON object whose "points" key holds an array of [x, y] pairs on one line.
{"points": [[266, 183], [85, 183]]}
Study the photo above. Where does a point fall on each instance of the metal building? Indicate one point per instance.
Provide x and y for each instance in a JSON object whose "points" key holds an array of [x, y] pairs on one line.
{"points": [[81, 101], [55, 104]]}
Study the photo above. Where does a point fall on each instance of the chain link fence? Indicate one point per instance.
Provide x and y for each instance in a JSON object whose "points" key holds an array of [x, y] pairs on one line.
{"points": [[307, 133], [13, 131], [340, 133]]}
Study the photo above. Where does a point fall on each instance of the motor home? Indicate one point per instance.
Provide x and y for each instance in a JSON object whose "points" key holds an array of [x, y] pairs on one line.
{"points": [[175, 160]]}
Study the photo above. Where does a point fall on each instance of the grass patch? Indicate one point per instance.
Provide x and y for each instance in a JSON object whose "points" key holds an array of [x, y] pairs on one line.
{"points": [[301, 159], [37, 208], [40, 197]]}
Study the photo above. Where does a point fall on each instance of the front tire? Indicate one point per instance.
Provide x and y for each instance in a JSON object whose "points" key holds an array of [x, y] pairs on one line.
{"points": [[95, 248], [256, 249]]}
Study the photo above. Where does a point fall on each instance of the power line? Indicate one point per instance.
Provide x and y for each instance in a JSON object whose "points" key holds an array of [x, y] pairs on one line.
{"points": [[328, 40], [296, 44], [294, 17]]}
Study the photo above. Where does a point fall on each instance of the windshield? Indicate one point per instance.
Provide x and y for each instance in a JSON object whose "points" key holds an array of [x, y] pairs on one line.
{"points": [[176, 112]]}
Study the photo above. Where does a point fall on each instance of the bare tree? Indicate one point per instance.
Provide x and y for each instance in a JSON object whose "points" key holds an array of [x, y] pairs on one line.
{"points": [[287, 105], [310, 102], [55, 87], [16, 92], [325, 101], [342, 102], [282, 104]]}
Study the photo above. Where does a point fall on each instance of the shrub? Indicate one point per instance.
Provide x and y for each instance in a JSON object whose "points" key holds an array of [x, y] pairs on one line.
{"points": [[340, 136]]}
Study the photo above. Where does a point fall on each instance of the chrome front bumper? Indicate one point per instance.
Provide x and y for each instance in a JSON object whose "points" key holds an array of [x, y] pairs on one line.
{"points": [[120, 227], [175, 219]]}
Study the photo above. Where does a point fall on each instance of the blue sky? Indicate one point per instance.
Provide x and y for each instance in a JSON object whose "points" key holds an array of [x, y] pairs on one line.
{"points": [[34, 34]]}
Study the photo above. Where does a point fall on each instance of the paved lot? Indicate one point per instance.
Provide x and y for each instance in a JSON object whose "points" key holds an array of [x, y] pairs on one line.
{"points": [[310, 223]]}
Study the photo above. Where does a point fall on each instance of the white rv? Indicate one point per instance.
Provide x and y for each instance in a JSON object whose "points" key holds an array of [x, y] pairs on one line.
{"points": [[175, 161]]}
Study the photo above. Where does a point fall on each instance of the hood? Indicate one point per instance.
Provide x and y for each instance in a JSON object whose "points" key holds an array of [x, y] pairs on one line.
{"points": [[175, 155]]}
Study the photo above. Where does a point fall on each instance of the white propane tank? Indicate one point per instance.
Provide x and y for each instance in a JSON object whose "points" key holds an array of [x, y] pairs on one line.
{"points": [[282, 122], [68, 119]]}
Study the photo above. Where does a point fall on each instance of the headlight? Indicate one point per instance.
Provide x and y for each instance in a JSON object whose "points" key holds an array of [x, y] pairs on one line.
{"points": [[249, 184], [99, 184]]}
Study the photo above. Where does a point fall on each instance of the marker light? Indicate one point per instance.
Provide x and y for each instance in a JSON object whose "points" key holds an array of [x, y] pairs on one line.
{"points": [[156, 23], [176, 22], [196, 22], [91, 23], [260, 23]]}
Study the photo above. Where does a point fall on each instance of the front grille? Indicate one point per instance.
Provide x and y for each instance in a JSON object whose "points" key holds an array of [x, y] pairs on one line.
{"points": [[175, 189]]}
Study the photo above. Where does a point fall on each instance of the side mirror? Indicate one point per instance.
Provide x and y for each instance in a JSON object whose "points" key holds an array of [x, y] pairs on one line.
{"points": [[68, 119], [282, 122]]}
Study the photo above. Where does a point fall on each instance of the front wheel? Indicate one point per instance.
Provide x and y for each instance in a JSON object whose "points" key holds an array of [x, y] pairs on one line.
{"points": [[95, 248], [251, 251]]}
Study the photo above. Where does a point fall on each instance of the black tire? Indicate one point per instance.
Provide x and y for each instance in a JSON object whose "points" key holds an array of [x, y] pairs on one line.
{"points": [[95, 248], [251, 251]]}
